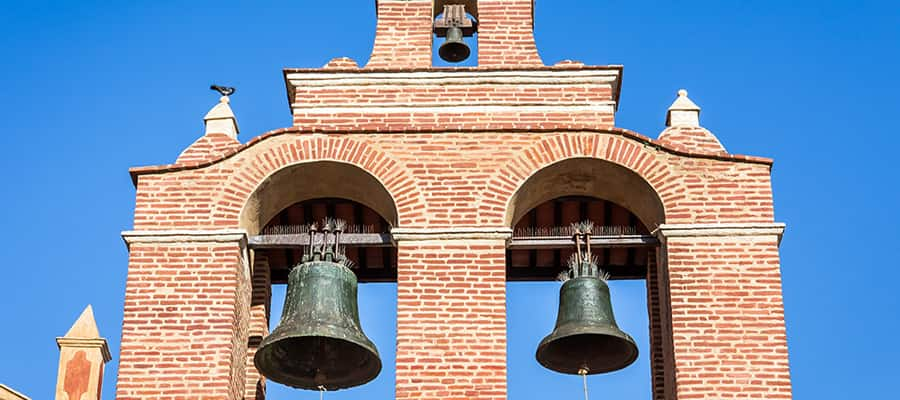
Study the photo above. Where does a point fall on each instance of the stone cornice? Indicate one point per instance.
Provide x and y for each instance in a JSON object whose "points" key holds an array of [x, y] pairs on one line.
{"points": [[665, 231], [185, 235], [86, 344]]}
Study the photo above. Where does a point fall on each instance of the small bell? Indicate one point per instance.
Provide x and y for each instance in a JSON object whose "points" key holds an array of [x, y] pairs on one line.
{"points": [[454, 48], [453, 26]]}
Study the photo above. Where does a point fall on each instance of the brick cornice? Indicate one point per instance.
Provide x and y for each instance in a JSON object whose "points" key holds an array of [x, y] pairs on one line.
{"points": [[135, 172]]}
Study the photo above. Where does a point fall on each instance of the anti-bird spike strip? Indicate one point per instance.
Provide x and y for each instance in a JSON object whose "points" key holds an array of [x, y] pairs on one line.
{"points": [[305, 229], [568, 231]]}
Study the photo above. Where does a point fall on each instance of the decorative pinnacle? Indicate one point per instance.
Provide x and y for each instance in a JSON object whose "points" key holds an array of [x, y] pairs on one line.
{"points": [[683, 112], [220, 119]]}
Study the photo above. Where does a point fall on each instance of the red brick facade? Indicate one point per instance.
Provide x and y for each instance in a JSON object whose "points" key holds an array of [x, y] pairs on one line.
{"points": [[461, 153]]}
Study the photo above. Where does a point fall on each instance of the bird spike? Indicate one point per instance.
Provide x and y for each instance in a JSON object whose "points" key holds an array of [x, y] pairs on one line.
{"points": [[340, 257], [573, 229], [585, 227], [585, 267], [339, 224], [328, 224], [573, 260]]}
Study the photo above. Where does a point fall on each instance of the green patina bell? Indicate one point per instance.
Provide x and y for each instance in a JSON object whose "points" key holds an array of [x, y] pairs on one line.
{"points": [[586, 336], [586, 339], [319, 342]]}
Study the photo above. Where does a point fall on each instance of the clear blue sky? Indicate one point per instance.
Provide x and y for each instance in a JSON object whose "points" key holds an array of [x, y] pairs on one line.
{"points": [[90, 88]]}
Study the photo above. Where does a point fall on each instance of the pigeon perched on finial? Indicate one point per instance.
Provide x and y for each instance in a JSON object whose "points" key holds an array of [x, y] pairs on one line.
{"points": [[224, 90]]}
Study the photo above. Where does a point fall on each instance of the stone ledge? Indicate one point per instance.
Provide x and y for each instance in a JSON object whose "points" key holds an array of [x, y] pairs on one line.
{"points": [[706, 230], [184, 235], [86, 344]]}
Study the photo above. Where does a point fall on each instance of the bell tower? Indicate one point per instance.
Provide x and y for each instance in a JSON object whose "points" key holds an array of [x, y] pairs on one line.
{"points": [[452, 182]]}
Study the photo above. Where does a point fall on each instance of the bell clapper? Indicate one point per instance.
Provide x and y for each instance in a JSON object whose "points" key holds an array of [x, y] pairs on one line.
{"points": [[583, 371], [322, 391]]}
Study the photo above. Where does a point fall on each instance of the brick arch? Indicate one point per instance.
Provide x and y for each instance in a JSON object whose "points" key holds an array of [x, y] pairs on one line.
{"points": [[631, 156], [287, 153]]}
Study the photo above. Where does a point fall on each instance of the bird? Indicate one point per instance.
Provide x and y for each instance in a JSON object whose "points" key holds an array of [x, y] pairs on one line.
{"points": [[224, 90]]}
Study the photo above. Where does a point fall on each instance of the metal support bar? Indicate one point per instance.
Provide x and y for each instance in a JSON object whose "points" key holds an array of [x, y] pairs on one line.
{"points": [[564, 242], [300, 240], [516, 243]]}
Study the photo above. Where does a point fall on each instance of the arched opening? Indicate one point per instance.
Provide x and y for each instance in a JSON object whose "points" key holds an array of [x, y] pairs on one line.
{"points": [[277, 215], [312, 180], [624, 209], [588, 177], [540, 248]]}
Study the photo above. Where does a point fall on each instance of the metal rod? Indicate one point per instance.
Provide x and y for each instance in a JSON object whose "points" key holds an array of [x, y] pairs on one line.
{"points": [[584, 378], [583, 372], [587, 241]]}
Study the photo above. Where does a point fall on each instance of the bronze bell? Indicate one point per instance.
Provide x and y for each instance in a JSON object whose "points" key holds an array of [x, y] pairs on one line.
{"points": [[319, 342], [453, 25], [586, 335], [586, 339], [454, 48]]}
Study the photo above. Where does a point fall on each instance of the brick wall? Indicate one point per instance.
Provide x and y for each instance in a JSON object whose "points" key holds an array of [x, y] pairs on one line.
{"points": [[455, 178], [505, 33], [403, 34], [184, 334], [451, 319], [454, 148], [727, 317], [461, 98]]}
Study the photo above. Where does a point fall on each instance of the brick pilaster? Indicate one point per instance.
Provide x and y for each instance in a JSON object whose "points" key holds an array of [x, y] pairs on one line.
{"points": [[403, 34], [186, 322], [506, 34], [451, 317], [727, 315]]}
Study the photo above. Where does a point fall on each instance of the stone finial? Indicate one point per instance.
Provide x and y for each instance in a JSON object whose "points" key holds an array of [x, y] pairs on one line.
{"points": [[683, 130], [82, 356], [220, 119], [683, 112]]}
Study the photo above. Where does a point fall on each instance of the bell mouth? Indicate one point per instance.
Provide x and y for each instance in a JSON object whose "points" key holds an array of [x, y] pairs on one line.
{"points": [[599, 351], [308, 362], [454, 52]]}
